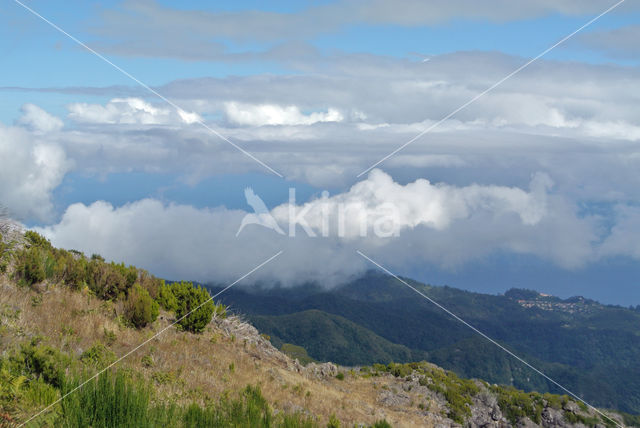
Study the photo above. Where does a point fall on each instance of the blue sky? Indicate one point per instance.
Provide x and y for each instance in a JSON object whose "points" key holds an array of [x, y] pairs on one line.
{"points": [[320, 91]]}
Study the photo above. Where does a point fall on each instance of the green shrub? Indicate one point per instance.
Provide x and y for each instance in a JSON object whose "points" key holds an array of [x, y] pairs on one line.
{"points": [[104, 280], [34, 239], [109, 336], [166, 298], [333, 422], [30, 267], [76, 272], [41, 360], [400, 370], [516, 404], [195, 307], [340, 376], [139, 308], [147, 361], [97, 356], [11, 386], [39, 393]]}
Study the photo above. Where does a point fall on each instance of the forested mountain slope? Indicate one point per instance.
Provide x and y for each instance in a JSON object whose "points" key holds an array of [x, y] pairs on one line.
{"points": [[594, 349]]}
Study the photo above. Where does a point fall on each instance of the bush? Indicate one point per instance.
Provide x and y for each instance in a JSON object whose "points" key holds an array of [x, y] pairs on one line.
{"points": [[333, 422], [98, 356], [76, 272], [30, 268], [39, 360], [34, 239], [40, 393], [193, 299], [166, 298], [139, 308]]}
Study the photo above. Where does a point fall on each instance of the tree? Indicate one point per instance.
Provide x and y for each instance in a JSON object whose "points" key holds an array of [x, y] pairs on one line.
{"points": [[195, 307], [140, 308]]}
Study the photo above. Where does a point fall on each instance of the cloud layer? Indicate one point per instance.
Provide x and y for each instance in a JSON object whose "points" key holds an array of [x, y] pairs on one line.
{"points": [[518, 172], [441, 225], [148, 29]]}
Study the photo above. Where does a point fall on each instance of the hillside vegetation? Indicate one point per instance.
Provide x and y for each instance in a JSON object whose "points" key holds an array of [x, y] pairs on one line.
{"points": [[64, 317], [591, 348]]}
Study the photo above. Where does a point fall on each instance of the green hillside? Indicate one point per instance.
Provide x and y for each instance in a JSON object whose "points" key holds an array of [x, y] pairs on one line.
{"points": [[594, 349], [331, 337]]}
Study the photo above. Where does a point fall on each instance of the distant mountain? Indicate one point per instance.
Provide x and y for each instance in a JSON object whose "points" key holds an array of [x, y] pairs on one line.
{"points": [[592, 349]]}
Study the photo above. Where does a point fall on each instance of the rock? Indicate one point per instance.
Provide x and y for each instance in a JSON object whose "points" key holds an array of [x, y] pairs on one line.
{"points": [[526, 423], [552, 417], [571, 406], [496, 414], [295, 366], [321, 370], [391, 399]]}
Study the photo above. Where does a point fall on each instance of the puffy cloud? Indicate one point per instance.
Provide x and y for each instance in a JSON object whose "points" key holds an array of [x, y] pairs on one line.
{"points": [[127, 111], [439, 224], [625, 234], [270, 114], [435, 206], [30, 167], [38, 120]]}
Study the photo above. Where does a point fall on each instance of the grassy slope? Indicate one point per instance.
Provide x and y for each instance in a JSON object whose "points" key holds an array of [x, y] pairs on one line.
{"points": [[185, 366]]}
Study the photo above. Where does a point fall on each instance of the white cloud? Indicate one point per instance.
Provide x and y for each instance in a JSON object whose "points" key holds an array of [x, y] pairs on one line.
{"points": [[38, 120], [625, 234], [30, 168], [129, 111], [441, 224], [436, 206], [271, 114], [576, 122]]}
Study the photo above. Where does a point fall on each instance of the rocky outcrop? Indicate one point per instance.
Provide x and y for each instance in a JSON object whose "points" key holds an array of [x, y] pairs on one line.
{"points": [[321, 370]]}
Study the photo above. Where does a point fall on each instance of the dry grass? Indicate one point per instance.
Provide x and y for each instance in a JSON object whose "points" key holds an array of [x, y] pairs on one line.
{"points": [[186, 366]]}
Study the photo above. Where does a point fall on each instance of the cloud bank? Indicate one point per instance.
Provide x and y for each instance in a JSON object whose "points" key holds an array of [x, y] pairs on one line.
{"points": [[439, 224], [147, 28]]}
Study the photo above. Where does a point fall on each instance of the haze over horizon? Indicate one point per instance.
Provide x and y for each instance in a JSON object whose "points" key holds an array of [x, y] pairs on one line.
{"points": [[533, 185]]}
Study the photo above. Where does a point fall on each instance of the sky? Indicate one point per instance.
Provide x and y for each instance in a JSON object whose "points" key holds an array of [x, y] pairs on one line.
{"points": [[468, 163]]}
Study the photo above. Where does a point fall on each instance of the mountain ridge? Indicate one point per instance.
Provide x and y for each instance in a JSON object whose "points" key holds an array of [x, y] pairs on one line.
{"points": [[569, 338]]}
